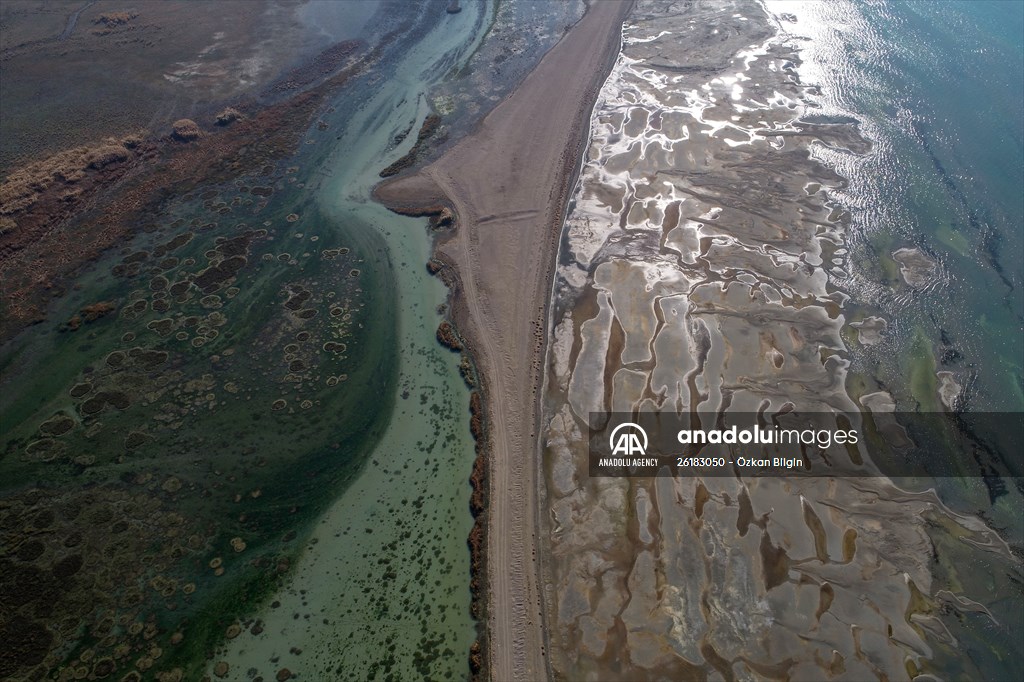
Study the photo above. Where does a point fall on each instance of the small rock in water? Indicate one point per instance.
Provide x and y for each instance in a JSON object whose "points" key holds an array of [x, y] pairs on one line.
{"points": [[870, 330], [917, 269], [949, 389]]}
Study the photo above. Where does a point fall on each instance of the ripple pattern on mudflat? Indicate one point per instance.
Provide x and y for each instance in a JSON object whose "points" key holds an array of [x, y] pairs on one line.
{"points": [[699, 273]]}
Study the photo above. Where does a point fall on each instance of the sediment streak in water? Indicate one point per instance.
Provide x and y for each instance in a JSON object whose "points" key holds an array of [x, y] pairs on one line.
{"points": [[698, 275]]}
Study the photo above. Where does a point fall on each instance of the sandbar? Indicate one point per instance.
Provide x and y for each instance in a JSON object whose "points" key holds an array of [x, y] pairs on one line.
{"points": [[508, 183]]}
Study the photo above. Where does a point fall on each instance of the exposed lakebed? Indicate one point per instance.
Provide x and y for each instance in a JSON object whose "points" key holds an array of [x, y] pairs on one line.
{"points": [[709, 265]]}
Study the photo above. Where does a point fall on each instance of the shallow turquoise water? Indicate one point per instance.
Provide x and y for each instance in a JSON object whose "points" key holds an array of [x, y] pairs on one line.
{"points": [[382, 589]]}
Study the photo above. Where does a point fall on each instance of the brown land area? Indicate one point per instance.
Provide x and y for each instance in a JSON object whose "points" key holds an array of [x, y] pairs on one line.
{"points": [[508, 184]]}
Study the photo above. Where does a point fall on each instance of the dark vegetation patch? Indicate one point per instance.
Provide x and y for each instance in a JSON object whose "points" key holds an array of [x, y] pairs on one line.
{"points": [[430, 125]]}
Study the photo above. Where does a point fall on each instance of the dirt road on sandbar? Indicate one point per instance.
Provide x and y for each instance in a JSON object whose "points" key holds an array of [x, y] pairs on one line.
{"points": [[508, 183]]}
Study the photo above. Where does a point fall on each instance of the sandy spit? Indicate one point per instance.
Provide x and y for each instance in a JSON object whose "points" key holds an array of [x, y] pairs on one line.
{"points": [[508, 184]]}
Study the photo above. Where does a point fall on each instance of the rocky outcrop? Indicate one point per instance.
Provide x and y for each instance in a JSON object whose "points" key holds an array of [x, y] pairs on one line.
{"points": [[443, 219], [89, 313], [186, 130], [448, 337], [228, 116]]}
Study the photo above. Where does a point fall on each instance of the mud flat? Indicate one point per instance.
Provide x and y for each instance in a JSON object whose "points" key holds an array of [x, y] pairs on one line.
{"points": [[700, 276], [508, 183]]}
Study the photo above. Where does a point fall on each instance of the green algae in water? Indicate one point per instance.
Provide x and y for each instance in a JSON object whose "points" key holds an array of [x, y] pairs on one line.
{"points": [[153, 491], [922, 382], [949, 236]]}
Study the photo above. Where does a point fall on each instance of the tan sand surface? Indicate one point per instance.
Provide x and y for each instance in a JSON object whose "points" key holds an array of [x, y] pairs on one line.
{"points": [[508, 183]]}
